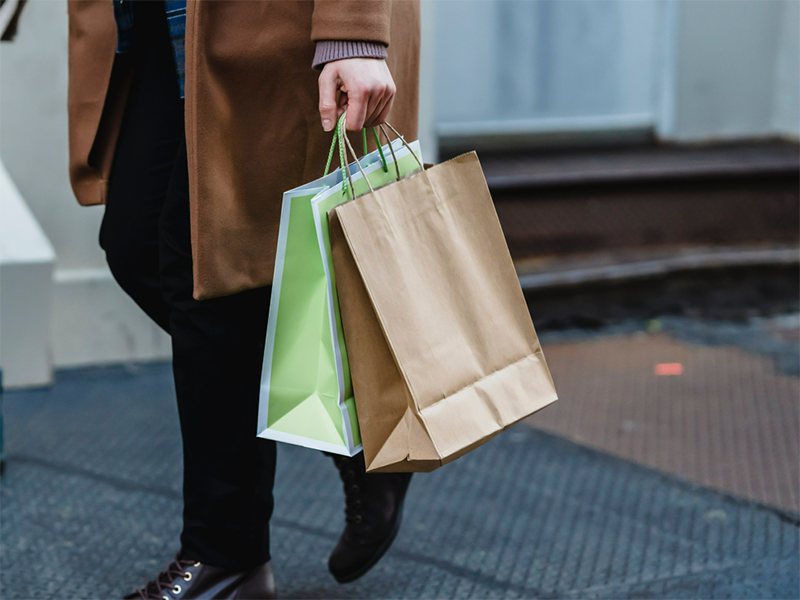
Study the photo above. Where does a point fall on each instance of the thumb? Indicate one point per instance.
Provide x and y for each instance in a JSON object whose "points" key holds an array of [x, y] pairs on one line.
{"points": [[327, 97]]}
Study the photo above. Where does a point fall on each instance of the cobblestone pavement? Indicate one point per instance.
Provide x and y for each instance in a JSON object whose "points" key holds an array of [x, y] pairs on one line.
{"points": [[91, 509]]}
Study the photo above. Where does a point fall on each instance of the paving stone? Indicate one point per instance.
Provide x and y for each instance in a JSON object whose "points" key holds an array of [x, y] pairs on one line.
{"points": [[730, 421], [91, 509]]}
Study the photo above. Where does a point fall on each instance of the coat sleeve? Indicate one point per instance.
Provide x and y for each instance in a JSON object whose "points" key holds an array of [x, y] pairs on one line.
{"points": [[362, 20], [330, 50]]}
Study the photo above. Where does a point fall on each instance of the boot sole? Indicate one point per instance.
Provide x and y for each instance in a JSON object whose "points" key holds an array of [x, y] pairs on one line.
{"points": [[350, 577]]}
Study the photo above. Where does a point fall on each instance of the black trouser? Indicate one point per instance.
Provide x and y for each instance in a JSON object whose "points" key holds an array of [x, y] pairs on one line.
{"points": [[217, 344]]}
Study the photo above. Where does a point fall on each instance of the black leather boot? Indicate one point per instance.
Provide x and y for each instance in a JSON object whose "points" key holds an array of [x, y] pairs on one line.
{"points": [[188, 579], [373, 511]]}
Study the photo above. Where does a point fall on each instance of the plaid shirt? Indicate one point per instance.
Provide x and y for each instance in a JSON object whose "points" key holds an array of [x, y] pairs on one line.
{"points": [[176, 20]]}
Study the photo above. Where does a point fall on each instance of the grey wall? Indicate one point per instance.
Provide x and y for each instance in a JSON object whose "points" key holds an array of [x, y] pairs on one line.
{"points": [[517, 59], [688, 69], [786, 111], [737, 69], [427, 81]]}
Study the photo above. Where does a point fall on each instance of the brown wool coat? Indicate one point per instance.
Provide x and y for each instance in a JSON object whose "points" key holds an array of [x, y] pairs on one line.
{"points": [[252, 120]]}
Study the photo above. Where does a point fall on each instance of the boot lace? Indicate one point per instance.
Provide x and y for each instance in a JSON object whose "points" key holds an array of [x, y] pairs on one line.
{"points": [[352, 491], [154, 590]]}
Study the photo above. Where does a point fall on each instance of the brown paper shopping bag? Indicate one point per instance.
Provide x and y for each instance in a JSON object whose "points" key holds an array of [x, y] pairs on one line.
{"points": [[442, 349]]}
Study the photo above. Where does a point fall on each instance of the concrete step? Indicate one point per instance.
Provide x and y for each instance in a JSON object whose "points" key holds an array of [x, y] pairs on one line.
{"points": [[561, 271], [567, 203], [634, 164]]}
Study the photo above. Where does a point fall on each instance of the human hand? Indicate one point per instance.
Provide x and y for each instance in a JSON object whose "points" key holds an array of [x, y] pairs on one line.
{"points": [[362, 86]]}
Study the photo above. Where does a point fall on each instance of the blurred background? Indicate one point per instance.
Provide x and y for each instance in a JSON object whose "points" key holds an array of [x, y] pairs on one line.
{"points": [[644, 160], [604, 127]]}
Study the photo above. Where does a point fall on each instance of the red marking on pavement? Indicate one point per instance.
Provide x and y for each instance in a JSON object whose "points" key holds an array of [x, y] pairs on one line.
{"points": [[669, 369]]}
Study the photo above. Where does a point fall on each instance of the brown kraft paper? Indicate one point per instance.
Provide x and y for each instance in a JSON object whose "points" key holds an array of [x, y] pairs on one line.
{"points": [[442, 350]]}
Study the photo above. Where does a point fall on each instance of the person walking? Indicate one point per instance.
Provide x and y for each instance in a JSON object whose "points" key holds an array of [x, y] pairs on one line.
{"points": [[188, 120]]}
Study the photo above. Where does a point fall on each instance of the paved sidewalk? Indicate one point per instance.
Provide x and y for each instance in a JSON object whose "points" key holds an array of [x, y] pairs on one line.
{"points": [[730, 420], [91, 508]]}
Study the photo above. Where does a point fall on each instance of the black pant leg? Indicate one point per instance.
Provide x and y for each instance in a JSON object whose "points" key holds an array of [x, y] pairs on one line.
{"points": [[152, 131], [217, 344], [217, 354]]}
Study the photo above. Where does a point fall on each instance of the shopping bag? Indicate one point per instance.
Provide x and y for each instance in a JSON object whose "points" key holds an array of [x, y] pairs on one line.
{"points": [[442, 349], [306, 395]]}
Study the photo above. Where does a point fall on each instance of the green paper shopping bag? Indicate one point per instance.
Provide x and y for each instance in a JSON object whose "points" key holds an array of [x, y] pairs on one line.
{"points": [[306, 394]]}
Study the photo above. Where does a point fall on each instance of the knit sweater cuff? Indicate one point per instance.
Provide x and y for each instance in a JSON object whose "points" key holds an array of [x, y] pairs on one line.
{"points": [[330, 50]]}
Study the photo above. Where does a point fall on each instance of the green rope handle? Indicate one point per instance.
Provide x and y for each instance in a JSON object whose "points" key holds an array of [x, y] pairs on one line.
{"points": [[330, 152], [333, 145], [380, 149], [377, 143], [340, 133], [337, 138]]}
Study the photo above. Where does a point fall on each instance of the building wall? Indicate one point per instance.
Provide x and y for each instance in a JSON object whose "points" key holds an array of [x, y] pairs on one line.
{"points": [[785, 112], [428, 80], [517, 60], [93, 321], [689, 70], [737, 70]]}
